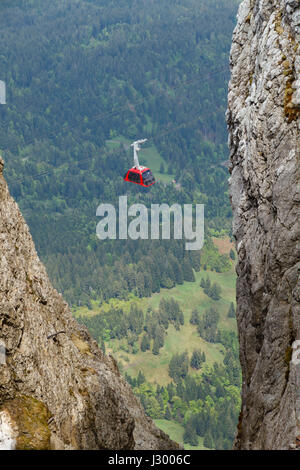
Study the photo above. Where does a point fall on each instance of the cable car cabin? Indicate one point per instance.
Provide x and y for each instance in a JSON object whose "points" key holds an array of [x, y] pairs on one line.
{"points": [[140, 175]]}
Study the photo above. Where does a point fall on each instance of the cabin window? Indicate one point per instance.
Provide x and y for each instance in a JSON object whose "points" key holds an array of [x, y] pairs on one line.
{"points": [[131, 176], [148, 178]]}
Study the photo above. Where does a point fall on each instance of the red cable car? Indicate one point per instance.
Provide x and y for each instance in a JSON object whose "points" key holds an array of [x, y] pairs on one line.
{"points": [[139, 174]]}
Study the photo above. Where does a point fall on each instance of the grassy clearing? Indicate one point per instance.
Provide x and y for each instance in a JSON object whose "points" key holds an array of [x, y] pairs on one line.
{"points": [[175, 431], [155, 368], [189, 296], [224, 244], [149, 156], [117, 141]]}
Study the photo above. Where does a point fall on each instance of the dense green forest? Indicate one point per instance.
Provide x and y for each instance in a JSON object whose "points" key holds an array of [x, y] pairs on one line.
{"points": [[84, 79], [81, 74]]}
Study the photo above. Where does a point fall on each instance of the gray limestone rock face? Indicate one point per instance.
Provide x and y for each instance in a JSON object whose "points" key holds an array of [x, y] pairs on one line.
{"points": [[56, 392], [263, 119]]}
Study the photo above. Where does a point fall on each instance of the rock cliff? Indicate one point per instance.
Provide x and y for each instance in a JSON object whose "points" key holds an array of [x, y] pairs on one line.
{"points": [[57, 391], [264, 125]]}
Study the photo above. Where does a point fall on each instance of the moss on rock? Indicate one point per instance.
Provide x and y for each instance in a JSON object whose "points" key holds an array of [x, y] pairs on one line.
{"points": [[30, 416], [81, 345], [291, 111]]}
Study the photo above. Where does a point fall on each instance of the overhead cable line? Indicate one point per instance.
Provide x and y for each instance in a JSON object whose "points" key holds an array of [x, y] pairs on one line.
{"points": [[169, 129]]}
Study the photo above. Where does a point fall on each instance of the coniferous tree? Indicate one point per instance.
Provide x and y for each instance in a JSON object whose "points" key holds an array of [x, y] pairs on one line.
{"points": [[156, 346], [159, 335], [187, 270], [171, 391], [196, 359], [180, 389], [207, 326], [190, 436], [177, 270], [194, 320], [178, 366], [208, 282], [145, 343], [140, 378], [208, 440], [215, 291], [231, 311], [195, 260], [168, 415]]}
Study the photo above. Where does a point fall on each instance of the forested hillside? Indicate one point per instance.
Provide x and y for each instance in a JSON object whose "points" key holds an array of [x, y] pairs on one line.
{"points": [[84, 79], [82, 74]]}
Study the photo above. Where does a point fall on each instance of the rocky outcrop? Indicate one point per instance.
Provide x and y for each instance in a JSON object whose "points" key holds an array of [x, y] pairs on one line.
{"points": [[264, 125], [57, 391]]}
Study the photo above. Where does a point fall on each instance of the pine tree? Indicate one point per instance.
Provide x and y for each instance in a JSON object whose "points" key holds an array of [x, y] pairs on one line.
{"points": [[178, 277], [156, 346], [159, 335], [178, 366], [194, 320], [208, 440], [196, 359], [231, 311], [140, 284], [180, 389], [187, 270], [207, 282], [171, 391], [145, 343], [168, 415], [195, 259], [140, 378], [215, 291], [190, 436]]}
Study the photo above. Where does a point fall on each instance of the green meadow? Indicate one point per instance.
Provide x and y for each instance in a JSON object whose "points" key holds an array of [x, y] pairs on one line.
{"points": [[175, 431], [189, 295], [148, 156]]}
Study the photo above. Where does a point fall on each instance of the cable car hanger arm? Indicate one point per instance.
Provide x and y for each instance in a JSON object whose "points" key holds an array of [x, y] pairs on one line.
{"points": [[136, 149]]}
